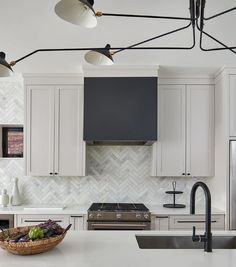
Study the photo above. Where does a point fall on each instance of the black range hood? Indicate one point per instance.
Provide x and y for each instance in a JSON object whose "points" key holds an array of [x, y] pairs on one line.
{"points": [[120, 110]]}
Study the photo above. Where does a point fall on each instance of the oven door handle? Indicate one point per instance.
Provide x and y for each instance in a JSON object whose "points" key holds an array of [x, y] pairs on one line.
{"points": [[102, 225]]}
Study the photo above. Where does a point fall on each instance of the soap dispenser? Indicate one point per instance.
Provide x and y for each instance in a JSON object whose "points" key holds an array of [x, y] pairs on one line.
{"points": [[15, 197], [5, 198]]}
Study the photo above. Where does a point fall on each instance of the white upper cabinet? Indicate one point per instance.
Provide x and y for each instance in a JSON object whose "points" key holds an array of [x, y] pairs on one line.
{"points": [[232, 104], [171, 131], [185, 145], [200, 130], [40, 130], [54, 130], [68, 131]]}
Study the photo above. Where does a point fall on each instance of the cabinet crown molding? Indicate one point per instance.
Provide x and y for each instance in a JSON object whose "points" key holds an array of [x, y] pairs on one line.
{"points": [[53, 78], [121, 71]]}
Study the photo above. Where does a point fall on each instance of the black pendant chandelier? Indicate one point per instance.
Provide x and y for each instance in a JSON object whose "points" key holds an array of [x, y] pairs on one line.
{"points": [[81, 12]]}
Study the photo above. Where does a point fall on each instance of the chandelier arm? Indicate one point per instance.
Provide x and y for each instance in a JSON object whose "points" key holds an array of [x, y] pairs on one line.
{"points": [[154, 38], [99, 14], [220, 14], [225, 47], [201, 6], [164, 47], [55, 50], [168, 47]]}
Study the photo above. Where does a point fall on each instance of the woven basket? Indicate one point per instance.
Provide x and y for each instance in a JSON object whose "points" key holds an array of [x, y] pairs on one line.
{"points": [[28, 248]]}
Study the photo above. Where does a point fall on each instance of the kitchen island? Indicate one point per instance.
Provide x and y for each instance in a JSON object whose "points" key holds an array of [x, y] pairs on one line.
{"points": [[120, 248]]}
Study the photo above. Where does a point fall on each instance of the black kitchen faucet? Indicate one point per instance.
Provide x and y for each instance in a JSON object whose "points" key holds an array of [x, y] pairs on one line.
{"points": [[207, 237]]}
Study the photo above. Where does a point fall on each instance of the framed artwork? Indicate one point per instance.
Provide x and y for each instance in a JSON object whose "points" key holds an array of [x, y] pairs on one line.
{"points": [[12, 142]]}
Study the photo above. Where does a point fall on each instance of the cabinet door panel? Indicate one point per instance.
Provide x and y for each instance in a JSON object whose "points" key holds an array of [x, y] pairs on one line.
{"points": [[160, 223], [232, 101], [32, 219], [200, 130], [40, 130], [69, 145], [78, 222], [186, 222], [170, 148]]}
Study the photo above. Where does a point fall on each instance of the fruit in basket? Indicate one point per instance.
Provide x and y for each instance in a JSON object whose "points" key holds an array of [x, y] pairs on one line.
{"points": [[51, 228], [41, 231], [36, 233], [18, 241]]}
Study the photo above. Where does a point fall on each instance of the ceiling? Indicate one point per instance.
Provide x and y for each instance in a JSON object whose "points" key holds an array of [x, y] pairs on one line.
{"points": [[27, 25]]}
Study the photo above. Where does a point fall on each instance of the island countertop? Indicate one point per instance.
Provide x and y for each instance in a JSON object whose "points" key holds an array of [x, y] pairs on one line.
{"points": [[116, 249]]}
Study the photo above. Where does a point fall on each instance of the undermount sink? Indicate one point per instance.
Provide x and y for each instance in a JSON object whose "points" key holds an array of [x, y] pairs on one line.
{"points": [[183, 242]]}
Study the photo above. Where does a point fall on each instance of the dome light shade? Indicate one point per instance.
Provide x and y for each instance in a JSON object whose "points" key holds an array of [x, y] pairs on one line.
{"points": [[5, 68], [78, 12], [100, 57]]}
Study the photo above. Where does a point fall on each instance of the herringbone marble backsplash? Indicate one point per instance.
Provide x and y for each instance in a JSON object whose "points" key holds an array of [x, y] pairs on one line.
{"points": [[114, 174]]}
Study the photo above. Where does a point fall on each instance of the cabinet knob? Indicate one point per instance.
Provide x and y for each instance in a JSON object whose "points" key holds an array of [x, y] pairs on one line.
{"points": [[56, 173], [183, 173], [51, 173], [188, 174]]}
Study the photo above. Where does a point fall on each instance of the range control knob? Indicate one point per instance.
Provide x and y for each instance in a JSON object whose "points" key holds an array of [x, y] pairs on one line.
{"points": [[146, 216], [90, 215], [118, 216], [138, 216], [99, 215]]}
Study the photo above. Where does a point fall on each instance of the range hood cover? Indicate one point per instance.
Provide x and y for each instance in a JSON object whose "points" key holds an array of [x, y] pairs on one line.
{"points": [[120, 110]]}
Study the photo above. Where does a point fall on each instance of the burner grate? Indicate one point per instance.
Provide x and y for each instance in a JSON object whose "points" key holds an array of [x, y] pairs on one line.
{"points": [[118, 207]]}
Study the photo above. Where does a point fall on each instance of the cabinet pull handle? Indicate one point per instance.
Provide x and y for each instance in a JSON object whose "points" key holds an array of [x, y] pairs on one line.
{"points": [[76, 216], [188, 174], [195, 221], [56, 173], [162, 217], [183, 173], [40, 221], [51, 173]]}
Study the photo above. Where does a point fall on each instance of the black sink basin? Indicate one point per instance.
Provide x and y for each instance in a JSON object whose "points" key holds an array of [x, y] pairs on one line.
{"points": [[183, 242]]}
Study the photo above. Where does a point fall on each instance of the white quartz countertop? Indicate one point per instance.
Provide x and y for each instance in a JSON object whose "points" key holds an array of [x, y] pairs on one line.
{"points": [[68, 210], [82, 209], [160, 210], [116, 249]]}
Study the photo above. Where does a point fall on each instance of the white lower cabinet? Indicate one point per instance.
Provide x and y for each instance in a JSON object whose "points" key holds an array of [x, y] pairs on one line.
{"points": [[180, 222], [33, 219], [160, 223], [186, 222], [78, 221]]}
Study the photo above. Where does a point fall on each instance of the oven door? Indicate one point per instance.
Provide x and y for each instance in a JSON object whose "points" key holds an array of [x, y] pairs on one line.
{"points": [[113, 226], [6, 221]]}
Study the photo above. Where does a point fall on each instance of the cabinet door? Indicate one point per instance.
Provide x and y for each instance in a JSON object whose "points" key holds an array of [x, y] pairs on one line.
{"points": [[160, 223], [169, 150], [33, 219], [200, 130], [186, 222], [69, 145], [232, 104], [78, 222], [40, 130]]}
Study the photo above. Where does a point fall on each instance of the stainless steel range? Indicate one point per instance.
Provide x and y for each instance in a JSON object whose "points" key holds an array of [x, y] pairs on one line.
{"points": [[118, 216]]}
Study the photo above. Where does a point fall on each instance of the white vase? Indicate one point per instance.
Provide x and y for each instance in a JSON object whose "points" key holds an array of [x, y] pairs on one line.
{"points": [[15, 197], [5, 198]]}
